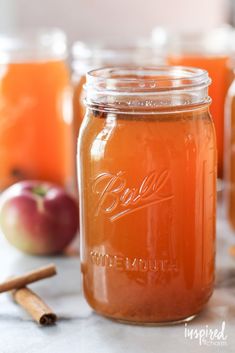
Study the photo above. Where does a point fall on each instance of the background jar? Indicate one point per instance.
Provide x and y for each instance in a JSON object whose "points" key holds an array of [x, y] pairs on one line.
{"points": [[35, 108], [210, 51], [229, 155], [147, 179]]}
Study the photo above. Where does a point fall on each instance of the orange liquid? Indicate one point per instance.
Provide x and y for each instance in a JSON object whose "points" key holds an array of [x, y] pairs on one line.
{"points": [[220, 73], [35, 137], [147, 191]]}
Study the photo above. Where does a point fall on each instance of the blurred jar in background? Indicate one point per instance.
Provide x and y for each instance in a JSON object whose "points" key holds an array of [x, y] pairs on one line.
{"points": [[35, 108], [209, 51], [229, 153], [88, 56]]}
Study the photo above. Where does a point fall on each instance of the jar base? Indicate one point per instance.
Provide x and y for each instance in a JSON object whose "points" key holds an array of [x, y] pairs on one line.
{"points": [[161, 323]]}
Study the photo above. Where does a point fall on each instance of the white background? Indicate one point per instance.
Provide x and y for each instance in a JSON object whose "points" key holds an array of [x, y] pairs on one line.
{"points": [[100, 19]]}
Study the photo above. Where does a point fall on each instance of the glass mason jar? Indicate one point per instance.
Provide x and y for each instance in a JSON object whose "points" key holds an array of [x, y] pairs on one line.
{"points": [[147, 182], [35, 108], [209, 51]]}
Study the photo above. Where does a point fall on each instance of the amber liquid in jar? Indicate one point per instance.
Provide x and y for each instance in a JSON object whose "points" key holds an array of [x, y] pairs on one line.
{"points": [[220, 72], [36, 131], [147, 191], [87, 56]]}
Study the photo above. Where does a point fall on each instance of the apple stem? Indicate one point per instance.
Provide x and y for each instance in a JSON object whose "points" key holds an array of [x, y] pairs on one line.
{"points": [[39, 191]]}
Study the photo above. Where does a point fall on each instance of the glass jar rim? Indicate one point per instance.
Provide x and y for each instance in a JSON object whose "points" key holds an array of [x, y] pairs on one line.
{"points": [[154, 79], [32, 44], [146, 88]]}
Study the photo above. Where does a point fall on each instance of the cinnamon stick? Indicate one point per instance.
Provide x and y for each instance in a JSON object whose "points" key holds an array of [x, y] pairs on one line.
{"points": [[35, 306], [28, 277]]}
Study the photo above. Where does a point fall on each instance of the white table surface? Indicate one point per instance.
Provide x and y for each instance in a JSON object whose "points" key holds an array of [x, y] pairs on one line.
{"points": [[79, 329]]}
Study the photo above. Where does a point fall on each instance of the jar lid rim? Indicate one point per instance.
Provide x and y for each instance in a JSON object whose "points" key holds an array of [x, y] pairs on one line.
{"points": [[155, 78]]}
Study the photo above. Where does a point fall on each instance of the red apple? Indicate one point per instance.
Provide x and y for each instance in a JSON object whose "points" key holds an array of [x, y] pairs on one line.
{"points": [[38, 217]]}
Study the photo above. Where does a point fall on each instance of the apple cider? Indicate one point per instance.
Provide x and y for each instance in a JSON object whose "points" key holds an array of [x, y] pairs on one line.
{"points": [[35, 109], [209, 51], [147, 179], [219, 71]]}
